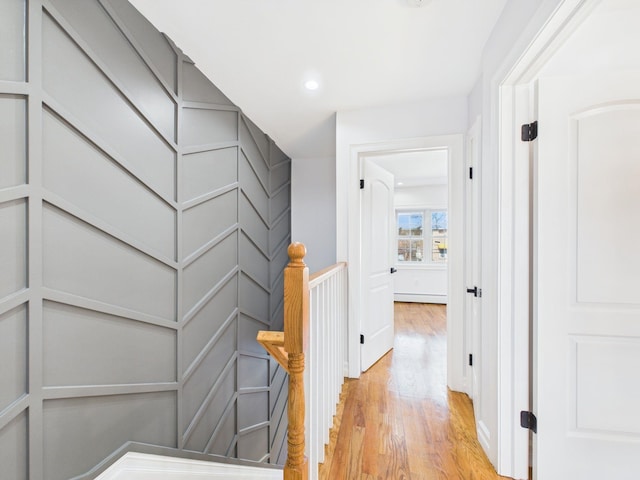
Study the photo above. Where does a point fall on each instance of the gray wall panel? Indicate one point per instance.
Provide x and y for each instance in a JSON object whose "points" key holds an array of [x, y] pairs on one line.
{"points": [[135, 210], [13, 356], [205, 126], [254, 445], [13, 154], [205, 272], [12, 34], [213, 416], [254, 299], [94, 101], [206, 172], [78, 430], [152, 42], [197, 88], [207, 321], [133, 319], [82, 347], [118, 275], [13, 449], [108, 43], [208, 220], [13, 238], [253, 225], [253, 372], [199, 384]]}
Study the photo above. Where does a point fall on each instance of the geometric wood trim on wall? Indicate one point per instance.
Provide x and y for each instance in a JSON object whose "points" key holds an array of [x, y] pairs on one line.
{"points": [[144, 221]]}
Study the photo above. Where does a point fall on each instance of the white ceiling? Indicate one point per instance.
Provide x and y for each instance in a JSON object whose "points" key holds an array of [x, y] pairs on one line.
{"points": [[416, 168], [364, 53]]}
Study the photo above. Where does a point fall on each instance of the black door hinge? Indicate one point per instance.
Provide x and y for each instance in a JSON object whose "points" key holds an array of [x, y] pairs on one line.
{"points": [[362, 339], [470, 173], [362, 183], [529, 420], [529, 131], [471, 359]]}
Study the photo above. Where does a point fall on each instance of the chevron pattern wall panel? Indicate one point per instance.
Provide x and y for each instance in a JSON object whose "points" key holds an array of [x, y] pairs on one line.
{"points": [[144, 222]]}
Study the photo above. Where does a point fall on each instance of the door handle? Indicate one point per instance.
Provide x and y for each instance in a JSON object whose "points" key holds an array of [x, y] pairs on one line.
{"points": [[393, 270], [477, 292]]}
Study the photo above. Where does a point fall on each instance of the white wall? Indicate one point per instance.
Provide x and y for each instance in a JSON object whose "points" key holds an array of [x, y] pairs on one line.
{"points": [[313, 209], [421, 283]]}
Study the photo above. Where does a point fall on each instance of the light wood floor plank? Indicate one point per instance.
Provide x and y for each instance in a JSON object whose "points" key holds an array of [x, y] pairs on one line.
{"points": [[399, 421]]}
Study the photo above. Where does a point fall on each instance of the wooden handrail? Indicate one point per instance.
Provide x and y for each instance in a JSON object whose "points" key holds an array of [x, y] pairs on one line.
{"points": [[321, 275], [288, 349]]}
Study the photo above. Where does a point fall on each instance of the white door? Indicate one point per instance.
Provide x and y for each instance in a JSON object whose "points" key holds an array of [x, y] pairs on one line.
{"points": [[377, 242], [587, 278]]}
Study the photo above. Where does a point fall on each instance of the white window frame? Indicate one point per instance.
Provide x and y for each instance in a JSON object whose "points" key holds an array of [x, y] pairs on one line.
{"points": [[427, 236]]}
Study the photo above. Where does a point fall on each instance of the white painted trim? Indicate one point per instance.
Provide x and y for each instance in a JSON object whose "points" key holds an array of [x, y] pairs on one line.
{"points": [[454, 143], [512, 89], [420, 298], [143, 466]]}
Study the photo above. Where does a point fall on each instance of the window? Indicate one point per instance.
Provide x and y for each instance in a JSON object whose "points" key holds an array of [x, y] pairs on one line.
{"points": [[422, 229]]}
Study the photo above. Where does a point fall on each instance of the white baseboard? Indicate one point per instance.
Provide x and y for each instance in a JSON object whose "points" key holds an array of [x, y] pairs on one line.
{"points": [[143, 466], [420, 298]]}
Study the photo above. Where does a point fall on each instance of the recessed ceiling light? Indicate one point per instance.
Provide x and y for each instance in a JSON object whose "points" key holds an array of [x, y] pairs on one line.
{"points": [[311, 85], [400, 183]]}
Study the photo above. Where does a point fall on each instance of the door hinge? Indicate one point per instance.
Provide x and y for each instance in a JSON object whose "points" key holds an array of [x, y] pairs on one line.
{"points": [[529, 131], [471, 359], [470, 173], [362, 183], [362, 339], [529, 420]]}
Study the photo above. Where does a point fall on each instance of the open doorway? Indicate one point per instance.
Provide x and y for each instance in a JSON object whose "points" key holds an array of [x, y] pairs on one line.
{"points": [[452, 144]]}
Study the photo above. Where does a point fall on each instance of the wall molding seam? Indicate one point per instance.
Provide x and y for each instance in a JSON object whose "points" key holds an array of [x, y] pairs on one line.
{"points": [[194, 202], [275, 223], [138, 48], [13, 410], [11, 194], [247, 274], [252, 242], [209, 147], [86, 391], [250, 390], [253, 428], [244, 194], [280, 377], [279, 190], [254, 170], [193, 105], [108, 75], [54, 108], [247, 353], [250, 315], [64, 298], [14, 300], [209, 296], [221, 421], [9, 88], [193, 366], [202, 409], [265, 156], [283, 245], [282, 424], [265, 458], [280, 163], [192, 257], [69, 208]]}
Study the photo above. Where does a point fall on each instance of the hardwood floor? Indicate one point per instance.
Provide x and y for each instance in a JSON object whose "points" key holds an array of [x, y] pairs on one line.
{"points": [[399, 420]]}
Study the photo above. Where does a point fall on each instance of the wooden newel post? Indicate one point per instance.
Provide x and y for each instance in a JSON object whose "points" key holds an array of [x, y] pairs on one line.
{"points": [[296, 328]]}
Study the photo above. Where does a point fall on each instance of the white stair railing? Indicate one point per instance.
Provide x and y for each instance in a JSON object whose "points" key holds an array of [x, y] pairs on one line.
{"points": [[326, 357]]}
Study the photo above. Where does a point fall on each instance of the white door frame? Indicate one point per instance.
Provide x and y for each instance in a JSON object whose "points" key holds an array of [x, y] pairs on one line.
{"points": [[515, 89], [455, 337]]}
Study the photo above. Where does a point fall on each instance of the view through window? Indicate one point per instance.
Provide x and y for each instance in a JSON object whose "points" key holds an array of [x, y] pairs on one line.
{"points": [[422, 236]]}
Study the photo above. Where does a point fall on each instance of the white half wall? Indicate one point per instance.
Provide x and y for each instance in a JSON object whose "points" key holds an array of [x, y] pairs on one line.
{"points": [[313, 209]]}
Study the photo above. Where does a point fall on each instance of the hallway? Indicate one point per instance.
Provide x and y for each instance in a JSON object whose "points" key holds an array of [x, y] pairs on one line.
{"points": [[399, 420]]}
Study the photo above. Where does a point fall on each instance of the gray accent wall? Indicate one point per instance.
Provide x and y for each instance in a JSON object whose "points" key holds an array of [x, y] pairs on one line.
{"points": [[144, 222]]}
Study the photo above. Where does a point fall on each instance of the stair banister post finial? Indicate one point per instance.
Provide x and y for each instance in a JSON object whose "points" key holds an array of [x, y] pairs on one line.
{"points": [[296, 331]]}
